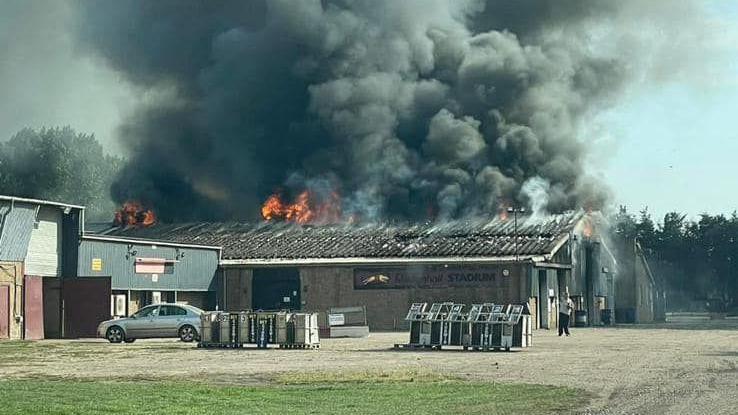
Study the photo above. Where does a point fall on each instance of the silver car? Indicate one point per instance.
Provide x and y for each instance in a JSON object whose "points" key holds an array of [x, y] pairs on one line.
{"points": [[158, 320]]}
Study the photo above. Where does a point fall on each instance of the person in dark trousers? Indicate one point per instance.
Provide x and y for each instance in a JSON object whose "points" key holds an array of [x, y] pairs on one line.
{"points": [[566, 306]]}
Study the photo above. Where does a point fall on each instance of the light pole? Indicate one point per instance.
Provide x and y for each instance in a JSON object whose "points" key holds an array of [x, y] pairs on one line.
{"points": [[515, 211]]}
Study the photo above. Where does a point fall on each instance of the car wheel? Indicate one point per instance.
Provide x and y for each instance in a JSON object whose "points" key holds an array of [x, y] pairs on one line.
{"points": [[114, 334], [129, 340], [187, 333]]}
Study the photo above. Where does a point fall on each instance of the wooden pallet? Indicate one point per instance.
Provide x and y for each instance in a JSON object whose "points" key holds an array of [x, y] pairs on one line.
{"points": [[299, 346], [412, 346], [232, 346]]}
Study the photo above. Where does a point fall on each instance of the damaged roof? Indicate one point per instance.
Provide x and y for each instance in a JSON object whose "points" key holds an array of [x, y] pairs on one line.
{"points": [[270, 242]]}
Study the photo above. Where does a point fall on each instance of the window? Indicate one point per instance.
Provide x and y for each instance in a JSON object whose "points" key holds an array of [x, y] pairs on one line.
{"points": [[170, 310], [147, 312]]}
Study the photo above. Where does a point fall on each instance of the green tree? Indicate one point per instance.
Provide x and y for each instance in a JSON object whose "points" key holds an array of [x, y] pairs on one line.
{"points": [[695, 260], [59, 164]]}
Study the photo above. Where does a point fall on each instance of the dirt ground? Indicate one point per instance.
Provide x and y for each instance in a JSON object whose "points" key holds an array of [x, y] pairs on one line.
{"points": [[627, 370]]}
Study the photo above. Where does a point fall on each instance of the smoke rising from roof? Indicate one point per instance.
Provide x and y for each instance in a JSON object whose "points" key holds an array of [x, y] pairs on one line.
{"points": [[398, 105]]}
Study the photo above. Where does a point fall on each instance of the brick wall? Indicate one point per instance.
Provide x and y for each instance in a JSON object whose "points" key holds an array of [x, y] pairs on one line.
{"points": [[324, 287], [11, 275]]}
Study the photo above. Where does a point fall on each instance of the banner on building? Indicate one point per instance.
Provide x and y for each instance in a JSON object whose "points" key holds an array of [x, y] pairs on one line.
{"points": [[425, 277]]}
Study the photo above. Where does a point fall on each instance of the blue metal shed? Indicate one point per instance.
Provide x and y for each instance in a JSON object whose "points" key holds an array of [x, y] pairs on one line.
{"points": [[185, 267]]}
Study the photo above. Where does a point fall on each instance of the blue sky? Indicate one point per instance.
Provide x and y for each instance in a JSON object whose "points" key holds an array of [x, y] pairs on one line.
{"points": [[675, 144]]}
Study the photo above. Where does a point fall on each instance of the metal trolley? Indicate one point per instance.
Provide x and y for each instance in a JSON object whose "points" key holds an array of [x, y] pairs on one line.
{"points": [[416, 316]]}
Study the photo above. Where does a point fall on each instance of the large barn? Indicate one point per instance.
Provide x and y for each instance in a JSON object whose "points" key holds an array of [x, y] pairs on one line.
{"points": [[386, 268]]}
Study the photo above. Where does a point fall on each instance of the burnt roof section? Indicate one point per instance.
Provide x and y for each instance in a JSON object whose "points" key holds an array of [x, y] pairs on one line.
{"points": [[266, 241]]}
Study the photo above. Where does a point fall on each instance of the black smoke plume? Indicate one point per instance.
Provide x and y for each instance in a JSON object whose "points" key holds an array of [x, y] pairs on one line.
{"points": [[407, 108]]}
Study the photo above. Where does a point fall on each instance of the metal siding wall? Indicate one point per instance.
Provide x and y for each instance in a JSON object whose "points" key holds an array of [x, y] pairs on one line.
{"points": [[44, 248], [195, 270], [16, 230]]}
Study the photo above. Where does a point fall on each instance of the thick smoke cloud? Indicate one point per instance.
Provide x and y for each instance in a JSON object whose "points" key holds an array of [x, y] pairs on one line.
{"points": [[408, 108]]}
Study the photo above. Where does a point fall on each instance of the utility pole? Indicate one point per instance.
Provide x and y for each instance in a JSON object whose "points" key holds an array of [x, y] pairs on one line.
{"points": [[515, 211]]}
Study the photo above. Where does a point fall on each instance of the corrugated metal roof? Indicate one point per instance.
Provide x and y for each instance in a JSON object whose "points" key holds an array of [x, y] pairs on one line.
{"points": [[39, 202], [266, 241], [16, 225]]}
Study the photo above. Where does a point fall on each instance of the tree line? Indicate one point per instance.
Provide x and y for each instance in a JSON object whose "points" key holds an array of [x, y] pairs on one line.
{"points": [[694, 261], [59, 164]]}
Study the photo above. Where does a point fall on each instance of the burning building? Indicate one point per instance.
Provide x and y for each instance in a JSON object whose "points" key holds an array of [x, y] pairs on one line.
{"points": [[387, 267]]}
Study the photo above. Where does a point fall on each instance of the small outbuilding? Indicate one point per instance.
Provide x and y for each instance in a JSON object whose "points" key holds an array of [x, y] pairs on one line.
{"points": [[143, 272], [637, 292], [38, 247]]}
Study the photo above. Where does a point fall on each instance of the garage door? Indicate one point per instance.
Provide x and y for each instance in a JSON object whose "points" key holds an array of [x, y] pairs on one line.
{"points": [[276, 289], [85, 304]]}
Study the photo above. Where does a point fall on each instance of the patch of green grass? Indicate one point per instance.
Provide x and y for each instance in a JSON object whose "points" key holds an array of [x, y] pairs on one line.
{"points": [[360, 397]]}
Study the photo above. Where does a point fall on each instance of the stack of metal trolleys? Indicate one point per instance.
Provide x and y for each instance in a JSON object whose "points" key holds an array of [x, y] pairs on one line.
{"points": [[298, 331], [442, 325], [480, 326], [436, 319], [522, 327], [484, 327], [455, 330], [416, 316], [262, 329], [209, 329]]}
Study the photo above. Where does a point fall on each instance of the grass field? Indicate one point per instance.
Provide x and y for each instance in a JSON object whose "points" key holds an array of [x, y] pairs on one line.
{"points": [[316, 394]]}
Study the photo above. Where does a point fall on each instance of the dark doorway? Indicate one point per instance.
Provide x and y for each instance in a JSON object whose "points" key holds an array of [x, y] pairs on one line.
{"points": [[85, 304], [52, 307], [276, 289], [543, 309]]}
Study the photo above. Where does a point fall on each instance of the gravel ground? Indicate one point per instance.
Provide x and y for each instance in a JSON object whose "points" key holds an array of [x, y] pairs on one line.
{"points": [[627, 370]]}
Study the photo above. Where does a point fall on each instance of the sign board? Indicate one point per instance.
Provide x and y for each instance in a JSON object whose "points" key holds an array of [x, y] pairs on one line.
{"points": [[154, 266], [336, 320], [97, 264], [427, 277]]}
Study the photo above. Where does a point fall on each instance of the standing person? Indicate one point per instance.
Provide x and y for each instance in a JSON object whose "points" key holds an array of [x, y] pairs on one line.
{"points": [[566, 306]]}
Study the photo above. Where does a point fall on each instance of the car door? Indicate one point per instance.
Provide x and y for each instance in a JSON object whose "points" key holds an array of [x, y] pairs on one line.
{"points": [[142, 323], [170, 318]]}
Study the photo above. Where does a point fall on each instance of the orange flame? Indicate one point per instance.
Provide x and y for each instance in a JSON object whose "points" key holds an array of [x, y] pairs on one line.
{"points": [[133, 214], [502, 212], [588, 229], [304, 210]]}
